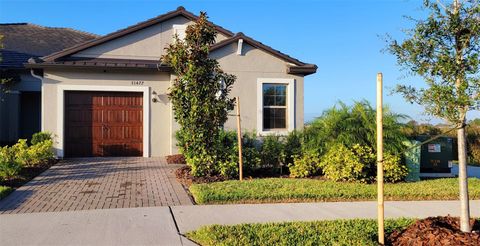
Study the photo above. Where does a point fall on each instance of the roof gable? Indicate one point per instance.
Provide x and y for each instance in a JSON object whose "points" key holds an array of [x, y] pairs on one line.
{"points": [[180, 12]]}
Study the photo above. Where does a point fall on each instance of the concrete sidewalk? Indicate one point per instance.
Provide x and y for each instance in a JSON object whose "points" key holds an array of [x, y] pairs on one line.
{"points": [[190, 218], [124, 226], [165, 225]]}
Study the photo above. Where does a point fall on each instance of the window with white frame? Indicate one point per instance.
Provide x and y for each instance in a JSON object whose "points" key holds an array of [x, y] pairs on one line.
{"points": [[179, 30], [276, 105]]}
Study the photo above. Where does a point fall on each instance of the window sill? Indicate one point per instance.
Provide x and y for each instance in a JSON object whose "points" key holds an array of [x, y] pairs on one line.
{"points": [[278, 132]]}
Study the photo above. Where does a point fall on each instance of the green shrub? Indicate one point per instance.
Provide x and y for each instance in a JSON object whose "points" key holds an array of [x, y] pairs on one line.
{"points": [[292, 147], [40, 137], [271, 151], [351, 125], [343, 164], [9, 166], [359, 164], [228, 149], [228, 162], [250, 152], [305, 165], [20, 150], [40, 152], [394, 170]]}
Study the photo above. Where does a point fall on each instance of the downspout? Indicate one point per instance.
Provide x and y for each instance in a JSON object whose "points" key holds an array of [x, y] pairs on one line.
{"points": [[32, 72]]}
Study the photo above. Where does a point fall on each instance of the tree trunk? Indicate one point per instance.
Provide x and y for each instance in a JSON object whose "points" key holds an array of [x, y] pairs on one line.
{"points": [[462, 179]]}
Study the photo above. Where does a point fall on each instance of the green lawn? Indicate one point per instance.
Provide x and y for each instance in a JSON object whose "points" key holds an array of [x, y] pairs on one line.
{"points": [[335, 232], [4, 191], [309, 190]]}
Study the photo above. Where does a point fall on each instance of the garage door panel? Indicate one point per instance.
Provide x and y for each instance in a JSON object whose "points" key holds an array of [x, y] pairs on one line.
{"points": [[103, 123]]}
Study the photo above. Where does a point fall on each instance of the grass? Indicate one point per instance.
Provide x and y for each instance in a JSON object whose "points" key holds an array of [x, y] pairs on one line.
{"points": [[335, 232], [311, 190], [4, 191]]}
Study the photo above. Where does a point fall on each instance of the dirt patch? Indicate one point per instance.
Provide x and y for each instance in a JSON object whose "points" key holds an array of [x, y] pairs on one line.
{"points": [[176, 159], [28, 173], [185, 177], [436, 231]]}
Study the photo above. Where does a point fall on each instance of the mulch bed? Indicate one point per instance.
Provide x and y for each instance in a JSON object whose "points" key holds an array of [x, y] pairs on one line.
{"points": [[176, 159], [28, 173], [436, 231], [185, 177]]}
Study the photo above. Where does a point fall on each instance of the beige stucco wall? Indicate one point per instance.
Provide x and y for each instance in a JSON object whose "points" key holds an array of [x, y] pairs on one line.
{"points": [[248, 67], [160, 113], [148, 43], [251, 65]]}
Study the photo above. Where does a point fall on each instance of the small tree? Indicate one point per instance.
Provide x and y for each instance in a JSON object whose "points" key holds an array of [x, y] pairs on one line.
{"points": [[199, 96], [444, 51]]}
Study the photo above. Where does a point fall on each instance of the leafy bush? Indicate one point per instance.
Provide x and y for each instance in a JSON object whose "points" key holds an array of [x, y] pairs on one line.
{"points": [[292, 147], [351, 125], [271, 151], [20, 150], [359, 164], [9, 166], [40, 152], [393, 170], [228, 161], [40, 137], [305, 165], [343, 164], [250, 152]]}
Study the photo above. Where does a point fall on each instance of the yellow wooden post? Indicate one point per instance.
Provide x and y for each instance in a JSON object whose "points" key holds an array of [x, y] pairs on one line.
{"points": [[380, 203], [239, 137]]}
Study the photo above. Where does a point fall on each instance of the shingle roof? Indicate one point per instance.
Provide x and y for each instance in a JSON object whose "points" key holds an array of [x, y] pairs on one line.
{"points": [[24, 40]]}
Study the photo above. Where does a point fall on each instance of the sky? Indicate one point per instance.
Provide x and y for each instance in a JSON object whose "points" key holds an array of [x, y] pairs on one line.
{"points": [[345, 38]]}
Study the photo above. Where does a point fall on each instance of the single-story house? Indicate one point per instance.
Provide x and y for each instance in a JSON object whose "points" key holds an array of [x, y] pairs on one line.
{"points": [[108, 96], [20, 108]]}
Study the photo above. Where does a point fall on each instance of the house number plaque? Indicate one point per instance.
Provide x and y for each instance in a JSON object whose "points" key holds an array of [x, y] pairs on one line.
{"points": [[137, 82]]}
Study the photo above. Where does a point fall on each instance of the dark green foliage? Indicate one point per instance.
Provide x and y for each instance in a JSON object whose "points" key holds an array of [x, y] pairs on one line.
{"points": [[271, 151], [444, 50], [228, 159], [342, 137], [199, 96], [357, 232], [351, 125], [40, 137], [292, 146]]}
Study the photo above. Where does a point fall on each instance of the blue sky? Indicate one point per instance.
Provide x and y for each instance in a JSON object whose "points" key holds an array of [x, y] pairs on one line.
{"points": [[344, 38]]}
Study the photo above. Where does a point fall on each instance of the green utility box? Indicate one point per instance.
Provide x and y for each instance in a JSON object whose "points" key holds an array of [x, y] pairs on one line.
{"points": [[437, 156], [412, 159]]}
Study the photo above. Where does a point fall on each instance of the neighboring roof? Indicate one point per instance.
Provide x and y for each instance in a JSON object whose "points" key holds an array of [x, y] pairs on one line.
{"points": [[180, 11], [84, 62], [22, 41], [299, 68]]}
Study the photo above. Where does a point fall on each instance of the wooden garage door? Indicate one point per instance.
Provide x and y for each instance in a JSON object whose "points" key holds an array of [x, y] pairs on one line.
{"points": [[103, 124]]}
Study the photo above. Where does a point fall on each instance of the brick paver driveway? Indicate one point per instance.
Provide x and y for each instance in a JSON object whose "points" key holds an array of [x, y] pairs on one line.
{"points": [[99, 183]]}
